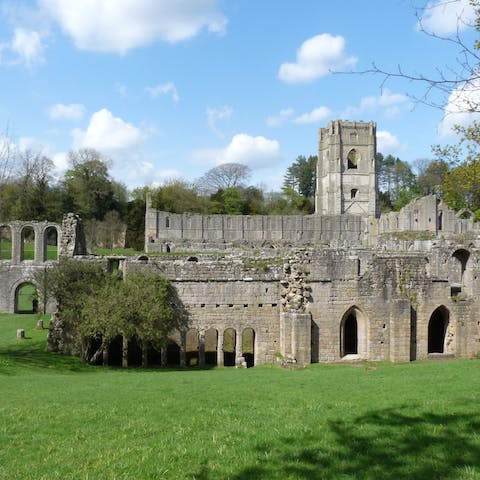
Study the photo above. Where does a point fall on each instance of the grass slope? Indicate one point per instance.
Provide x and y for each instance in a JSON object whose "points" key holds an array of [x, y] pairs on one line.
{"points": [[60, 419]]}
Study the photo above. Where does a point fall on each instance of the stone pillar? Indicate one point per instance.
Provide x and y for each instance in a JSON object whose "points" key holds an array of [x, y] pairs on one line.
{"points": [[239, 344], [16, 243], [39, 244], [295, 336], [201, 348], [220, 348], [400, 331]]}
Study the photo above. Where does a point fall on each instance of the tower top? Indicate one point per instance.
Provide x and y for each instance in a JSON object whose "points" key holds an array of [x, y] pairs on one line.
{"points": [[346, 169]]}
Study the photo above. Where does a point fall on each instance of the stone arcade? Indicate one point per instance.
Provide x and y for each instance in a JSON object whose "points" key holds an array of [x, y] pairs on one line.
{"points": [[342, 284]]}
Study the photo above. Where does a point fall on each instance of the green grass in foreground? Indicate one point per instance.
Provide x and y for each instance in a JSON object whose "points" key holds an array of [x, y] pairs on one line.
{"points": [[62, 420]]}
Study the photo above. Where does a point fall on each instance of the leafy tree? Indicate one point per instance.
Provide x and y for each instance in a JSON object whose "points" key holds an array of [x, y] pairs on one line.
{"points": [[432, 176], [300, 176], [179, 197], [135, 220], [226, 175], [91, 191]]}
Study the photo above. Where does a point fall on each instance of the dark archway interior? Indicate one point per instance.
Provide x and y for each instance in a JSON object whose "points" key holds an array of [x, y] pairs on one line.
{"points": [[211, 338], [173, 354], [229, 344], [248, 346], [437, 329], [350, 335], [115, 351]]}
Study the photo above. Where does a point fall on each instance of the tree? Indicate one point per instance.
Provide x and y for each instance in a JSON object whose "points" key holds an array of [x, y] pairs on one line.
{"points": [[178, 197], [226, 175], [91, 191], [300, 176], [457, 83], [431, 177]]}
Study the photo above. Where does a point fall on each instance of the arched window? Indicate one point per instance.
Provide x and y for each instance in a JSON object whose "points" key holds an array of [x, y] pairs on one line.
{"points": [[5, 243], [350, 335], [352, 159], [50, 244], [28, 244], [353, 192]]}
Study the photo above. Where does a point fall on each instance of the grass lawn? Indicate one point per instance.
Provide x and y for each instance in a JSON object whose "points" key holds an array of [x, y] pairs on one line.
{"points": [[62, 420]]}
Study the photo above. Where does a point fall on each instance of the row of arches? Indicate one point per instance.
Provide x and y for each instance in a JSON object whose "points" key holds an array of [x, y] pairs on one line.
{"points": [[210, 347], [353, 332], [26, 243]]}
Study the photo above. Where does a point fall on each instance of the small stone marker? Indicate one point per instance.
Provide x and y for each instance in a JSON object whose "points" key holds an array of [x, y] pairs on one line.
{"points": [[39, 325], [20, 333]]}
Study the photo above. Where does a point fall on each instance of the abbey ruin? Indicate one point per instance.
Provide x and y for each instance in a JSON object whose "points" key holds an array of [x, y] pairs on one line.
{"points": [[342, 284]]}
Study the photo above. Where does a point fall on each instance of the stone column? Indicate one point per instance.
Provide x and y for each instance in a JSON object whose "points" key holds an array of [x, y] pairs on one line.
{"points": [[239, 344], [295, 336], [220, 348], [39, 255], [163, 356], [16, 243], [124, 351], [201, 348]]}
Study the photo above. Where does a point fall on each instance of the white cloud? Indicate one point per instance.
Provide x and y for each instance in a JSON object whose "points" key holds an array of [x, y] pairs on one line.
{"points": [[281, 118], [122, 90], [72, 111], [120, 25], [316, 57], [316, 115], [444, 17], [391, 103], [255, 152], [164, 89], [459, 108], [25, 48], [216, 114], [107, 133], [387, 143]]}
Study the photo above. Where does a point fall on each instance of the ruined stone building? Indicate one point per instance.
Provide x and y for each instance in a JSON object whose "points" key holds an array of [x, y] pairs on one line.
{"points": [[341, 284]]}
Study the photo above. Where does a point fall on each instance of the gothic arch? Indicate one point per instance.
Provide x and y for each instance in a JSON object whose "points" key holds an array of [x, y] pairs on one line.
{"points": [[354, 333], [352, 159], [437, 330]]}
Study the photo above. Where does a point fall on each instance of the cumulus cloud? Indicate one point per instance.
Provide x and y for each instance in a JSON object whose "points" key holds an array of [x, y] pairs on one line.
{"points": [[316, 57], [164, 89], [121, 25], [281, 118], [255, 152], [462, 107], [387, 143], [25, 48], [60, 111], [391, 103], [444, 17], [316, 115], [107, 133], [216, 114]]}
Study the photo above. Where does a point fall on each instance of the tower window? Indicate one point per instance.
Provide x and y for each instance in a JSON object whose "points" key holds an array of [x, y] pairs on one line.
{"points": [[352, 159], [353, 192]]}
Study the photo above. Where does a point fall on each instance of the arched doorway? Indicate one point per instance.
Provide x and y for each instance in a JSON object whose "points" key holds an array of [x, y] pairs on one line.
{"points": [[211, 339], [229, 347], [437, 330], [191, 348], [248, 346], [26, 298], [353, 333]]}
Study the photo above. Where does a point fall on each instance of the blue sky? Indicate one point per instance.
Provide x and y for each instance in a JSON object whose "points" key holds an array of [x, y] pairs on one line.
{"points": [[171, 88]]}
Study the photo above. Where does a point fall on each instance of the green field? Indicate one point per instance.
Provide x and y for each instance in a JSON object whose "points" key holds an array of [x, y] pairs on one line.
{"points": [[62, 420], [28, 251]]}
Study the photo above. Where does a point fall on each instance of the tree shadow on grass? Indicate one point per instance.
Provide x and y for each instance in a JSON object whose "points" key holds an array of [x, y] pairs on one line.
{"points": [[388, 444]]}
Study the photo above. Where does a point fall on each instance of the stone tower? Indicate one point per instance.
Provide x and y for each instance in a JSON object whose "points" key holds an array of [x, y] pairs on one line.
{"points": [[346, 169]]}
